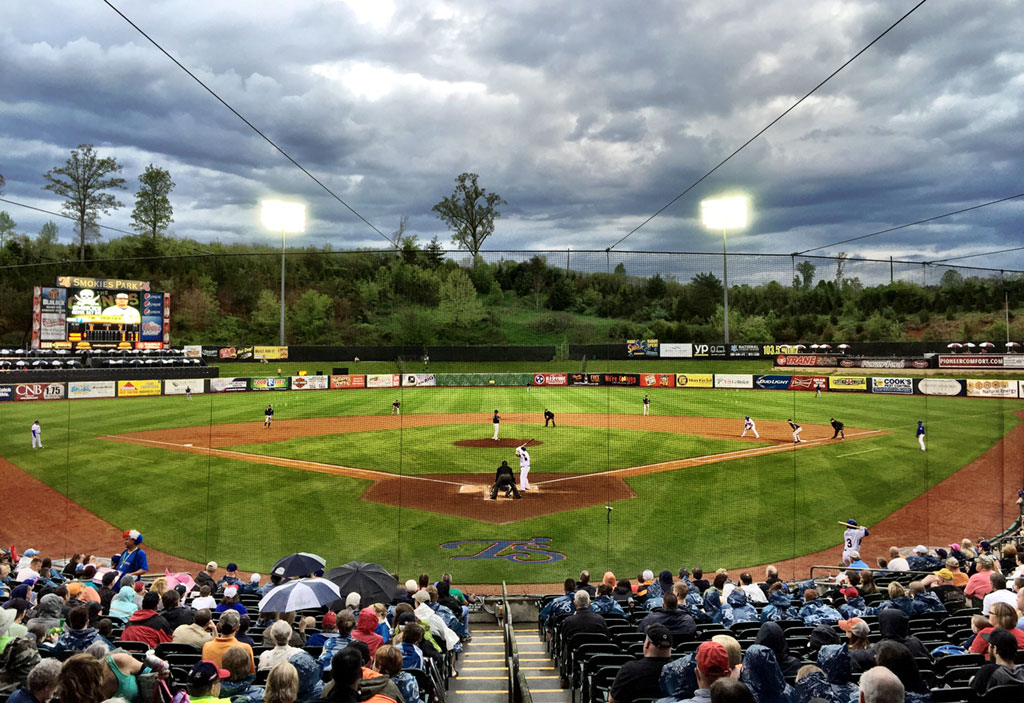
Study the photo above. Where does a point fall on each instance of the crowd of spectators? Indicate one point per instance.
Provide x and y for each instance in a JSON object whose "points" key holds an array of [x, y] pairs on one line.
{"points": [[90, 633]]}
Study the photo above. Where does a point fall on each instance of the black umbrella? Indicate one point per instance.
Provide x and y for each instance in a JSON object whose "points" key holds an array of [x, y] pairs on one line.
{"points": [[372, 582], [300, 564]]}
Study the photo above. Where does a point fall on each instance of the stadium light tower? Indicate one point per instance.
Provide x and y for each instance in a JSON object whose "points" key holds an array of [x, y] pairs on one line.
{"points": [[286, 217], [724, 214]]}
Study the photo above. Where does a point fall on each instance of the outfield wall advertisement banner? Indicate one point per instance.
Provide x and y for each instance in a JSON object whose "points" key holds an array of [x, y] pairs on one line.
{"points": [[892, 386], [177, 386], [705, 350], [848, 383], [641, 347], [92, 389], [675, 351], [134, 389], [310, 383], [695, 380], [6, 393], [419, 379], [808, 383], [193, 351], [772, 382], [584, 379], [939, 386], [975, 361], [483, 379], [734, 380], [383, 380], [270, 352], [805, 360], [39, 391], [228, 385], [658, 380], [991, 389], [348, 381], [751, 350], [269, 384], [551, 379]]}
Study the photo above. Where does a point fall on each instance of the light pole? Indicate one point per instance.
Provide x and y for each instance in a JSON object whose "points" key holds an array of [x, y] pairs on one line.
{"points": [[724, 214], [287, 217]]}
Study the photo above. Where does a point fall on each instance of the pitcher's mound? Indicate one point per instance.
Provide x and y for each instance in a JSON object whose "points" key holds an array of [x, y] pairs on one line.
{"points": [[496, 443]]}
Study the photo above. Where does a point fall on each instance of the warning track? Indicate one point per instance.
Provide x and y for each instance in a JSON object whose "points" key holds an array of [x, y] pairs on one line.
{"points": [[462, 495]]}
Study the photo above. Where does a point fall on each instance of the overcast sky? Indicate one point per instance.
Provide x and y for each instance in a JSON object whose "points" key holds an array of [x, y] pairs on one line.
{"points": [[586, 117]]}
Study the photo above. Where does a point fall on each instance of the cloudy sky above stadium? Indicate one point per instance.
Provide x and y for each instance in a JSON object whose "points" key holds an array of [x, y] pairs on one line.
{"points": [[586, 117]]}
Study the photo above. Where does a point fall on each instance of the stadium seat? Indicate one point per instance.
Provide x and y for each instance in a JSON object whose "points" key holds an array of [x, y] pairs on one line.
{"points": [[958, 694]]}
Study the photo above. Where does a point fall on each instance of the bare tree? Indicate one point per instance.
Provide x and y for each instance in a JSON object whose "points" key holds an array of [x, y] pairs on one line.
{"points": [[83, 181], [469, 213], [399, 234]]}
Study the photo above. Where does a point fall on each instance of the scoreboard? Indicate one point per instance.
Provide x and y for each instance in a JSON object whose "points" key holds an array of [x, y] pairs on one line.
{"points": [[100, 313]]}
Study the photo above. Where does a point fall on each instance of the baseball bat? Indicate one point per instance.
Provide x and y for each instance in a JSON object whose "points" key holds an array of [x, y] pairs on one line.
{"points": [[846, 524]]}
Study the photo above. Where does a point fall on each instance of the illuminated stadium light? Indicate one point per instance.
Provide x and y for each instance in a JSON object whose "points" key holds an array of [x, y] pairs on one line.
{"points": [[724, 214], [286, 217]]}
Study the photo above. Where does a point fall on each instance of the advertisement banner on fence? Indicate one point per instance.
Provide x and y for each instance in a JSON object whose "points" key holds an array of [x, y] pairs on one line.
{"points": [[193, 351], [92, 389], [270, 384], [808, 383], [848, 383], [270, 352], [1013, 361], [753, 350], [551, 379], [892, 386], [940, 386], [1020, 390], [178, 386], [991, 389], [419, 379], [772, 382], [805, 360], [695, 380], [970, 361], [658, 380], [620, 379], [310, 383], [584, 379], [228, 385], [348, 381], [704, 350], [6, 393], [734, 380], [641, 347], [464, 380], [39, 391], [383, 380], [669, 350], [237, 353], [134, 389]]}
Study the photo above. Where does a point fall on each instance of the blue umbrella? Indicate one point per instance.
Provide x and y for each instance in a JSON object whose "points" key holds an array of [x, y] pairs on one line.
{"points": [[296, 595], [299, 564]]}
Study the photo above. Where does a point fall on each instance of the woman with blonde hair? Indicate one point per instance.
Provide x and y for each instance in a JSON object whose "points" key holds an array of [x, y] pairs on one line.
{"points": [[282, 684], [967, 549]]}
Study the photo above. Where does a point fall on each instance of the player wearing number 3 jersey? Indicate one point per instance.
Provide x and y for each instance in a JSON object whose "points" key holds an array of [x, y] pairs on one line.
{"points": [[852, 538]]}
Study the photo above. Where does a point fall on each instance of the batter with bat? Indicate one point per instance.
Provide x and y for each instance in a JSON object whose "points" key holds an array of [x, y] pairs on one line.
{"points": [[524, 466], [852, 538]]}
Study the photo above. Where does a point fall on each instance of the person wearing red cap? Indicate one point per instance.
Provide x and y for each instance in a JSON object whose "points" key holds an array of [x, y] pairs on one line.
{"points": [[133, 560], [712, 665], [640, 679]]}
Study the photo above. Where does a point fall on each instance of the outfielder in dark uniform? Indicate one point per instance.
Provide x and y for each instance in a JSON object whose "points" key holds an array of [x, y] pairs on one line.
{"points": [[268, 416], [549, 417], [838, 427], [504, 479]]}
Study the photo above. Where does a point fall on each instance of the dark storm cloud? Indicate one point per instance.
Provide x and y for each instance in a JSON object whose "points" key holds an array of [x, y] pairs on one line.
{"points": [[586, 117]]}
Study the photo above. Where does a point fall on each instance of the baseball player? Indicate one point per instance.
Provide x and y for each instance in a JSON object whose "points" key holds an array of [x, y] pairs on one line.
{"points": [[852, 538], [268, 415], [497, 423], [504, 479], [549, 417], [838, 427], [396, 408], [524, 468], [797, 429], [37, 435], [188, 392], [749, 426], [647, 405], [920, 434]]}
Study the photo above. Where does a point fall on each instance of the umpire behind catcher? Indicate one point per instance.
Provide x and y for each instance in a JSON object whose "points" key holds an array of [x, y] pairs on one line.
{"points": [[505, 479]]}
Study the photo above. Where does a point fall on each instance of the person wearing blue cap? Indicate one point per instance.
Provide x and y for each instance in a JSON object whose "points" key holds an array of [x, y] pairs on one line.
{"points": [[204, 682], [920, 434], [230, 578], [852, 538]]}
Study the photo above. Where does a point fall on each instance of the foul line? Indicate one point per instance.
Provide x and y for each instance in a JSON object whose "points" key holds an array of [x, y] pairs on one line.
{"points": [[843, 456], [317, 466]]}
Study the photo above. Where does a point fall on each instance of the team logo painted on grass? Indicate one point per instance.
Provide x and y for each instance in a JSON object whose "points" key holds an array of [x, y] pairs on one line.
{"points": [[522, 551]]}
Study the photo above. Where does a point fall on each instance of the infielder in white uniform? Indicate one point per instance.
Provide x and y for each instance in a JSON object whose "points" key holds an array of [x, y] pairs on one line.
{"points": [[852, 538], [37, 435], [749, 426], [524, 468]]}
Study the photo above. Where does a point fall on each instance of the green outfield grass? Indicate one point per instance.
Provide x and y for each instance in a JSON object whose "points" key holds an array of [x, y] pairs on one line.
{"points": [[726, 514]]}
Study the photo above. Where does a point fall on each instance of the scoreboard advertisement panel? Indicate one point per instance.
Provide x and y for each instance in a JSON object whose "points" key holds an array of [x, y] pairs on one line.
{"points": [[100, 313]]}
